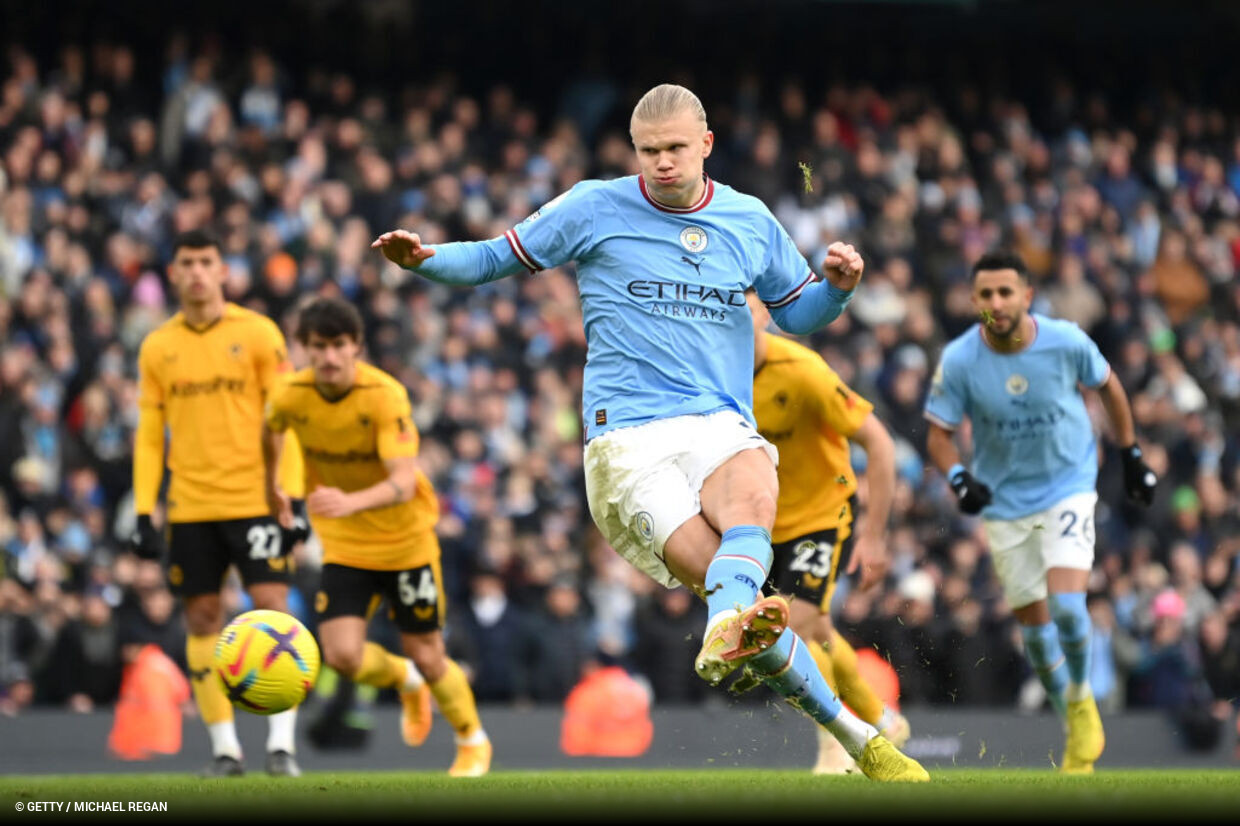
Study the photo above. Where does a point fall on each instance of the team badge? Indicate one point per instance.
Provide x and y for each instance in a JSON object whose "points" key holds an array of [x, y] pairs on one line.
{"points": [[694, 239], [1017, 384], [645, 526]]}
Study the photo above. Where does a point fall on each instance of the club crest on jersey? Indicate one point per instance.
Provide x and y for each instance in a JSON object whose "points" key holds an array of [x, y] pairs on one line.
{"points": [[645, 525], [1017, 384], [694, 239]]}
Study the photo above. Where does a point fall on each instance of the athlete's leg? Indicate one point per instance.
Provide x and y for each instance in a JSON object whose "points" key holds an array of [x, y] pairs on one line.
{"points": [[787, 666]]}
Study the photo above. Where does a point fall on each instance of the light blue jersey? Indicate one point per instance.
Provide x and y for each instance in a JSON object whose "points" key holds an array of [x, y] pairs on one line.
{"points": [[662, 292], [1033, 444]]}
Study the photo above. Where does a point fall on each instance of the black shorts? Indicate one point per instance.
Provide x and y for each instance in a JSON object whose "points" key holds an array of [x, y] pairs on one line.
{"points": [[200, 553], [414, 595], [807, 567]]}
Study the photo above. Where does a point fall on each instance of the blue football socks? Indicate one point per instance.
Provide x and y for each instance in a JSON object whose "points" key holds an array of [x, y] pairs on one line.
{"points": [[738, 570], [1072, 619], [1042, 648]]}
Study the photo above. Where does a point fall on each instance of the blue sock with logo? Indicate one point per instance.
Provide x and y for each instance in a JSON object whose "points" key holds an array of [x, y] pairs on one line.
{"points": [[1072, 619], [1042, 649], [738, 570], [789, 669]]}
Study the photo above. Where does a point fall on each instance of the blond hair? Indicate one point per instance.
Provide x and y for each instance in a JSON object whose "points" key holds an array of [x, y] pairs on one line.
{"points": [[666, 101]]}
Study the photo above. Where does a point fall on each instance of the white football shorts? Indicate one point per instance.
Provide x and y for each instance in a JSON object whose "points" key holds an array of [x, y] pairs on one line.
{"points": [[643, 482], [1023, 550]]}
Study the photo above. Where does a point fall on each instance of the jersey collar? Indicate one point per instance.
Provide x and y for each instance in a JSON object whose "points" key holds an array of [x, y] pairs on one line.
{"points": [[708, 192]]}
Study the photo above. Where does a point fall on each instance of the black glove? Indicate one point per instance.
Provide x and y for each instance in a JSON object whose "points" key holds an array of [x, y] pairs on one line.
{"points": [[971, 494], [1139, 480], [147, 542], [300, 531]]}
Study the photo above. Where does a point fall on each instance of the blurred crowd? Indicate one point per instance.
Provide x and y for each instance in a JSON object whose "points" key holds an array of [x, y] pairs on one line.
{"points": [[1130, 226]]}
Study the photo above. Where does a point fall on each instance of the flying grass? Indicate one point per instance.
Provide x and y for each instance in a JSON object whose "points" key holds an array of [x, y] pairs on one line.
{"points": [[723, 795]]}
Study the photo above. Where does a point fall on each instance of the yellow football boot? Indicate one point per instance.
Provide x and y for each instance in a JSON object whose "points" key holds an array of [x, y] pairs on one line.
{"points": [[881, 761], [1085, 737]]}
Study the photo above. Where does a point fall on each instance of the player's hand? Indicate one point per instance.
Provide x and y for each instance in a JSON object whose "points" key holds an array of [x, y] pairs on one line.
{"points": [[971, 494], [869, 555], [402, 248], [147, 542], [1139, 480], [297, 531], [330, 502], [843, 266], [281, 507]]}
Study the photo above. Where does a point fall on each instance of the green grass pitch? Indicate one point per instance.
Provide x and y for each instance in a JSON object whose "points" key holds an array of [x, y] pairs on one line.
{"points": [[724, 796]]}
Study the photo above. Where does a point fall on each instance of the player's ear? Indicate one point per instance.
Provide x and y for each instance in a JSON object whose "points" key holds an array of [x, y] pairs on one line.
{"points": [[708, 143]]}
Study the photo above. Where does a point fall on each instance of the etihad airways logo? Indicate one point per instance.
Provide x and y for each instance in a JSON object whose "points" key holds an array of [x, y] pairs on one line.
{"points": [[690, 300]]}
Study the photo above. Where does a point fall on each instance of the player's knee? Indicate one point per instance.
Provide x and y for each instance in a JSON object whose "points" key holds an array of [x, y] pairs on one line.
{"points": [[203, 616], [756, 507]]}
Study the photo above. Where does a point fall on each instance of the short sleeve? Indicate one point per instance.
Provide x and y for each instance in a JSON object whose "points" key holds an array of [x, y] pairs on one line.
{"points": [[396, 435], [842, 409], [274, 411], [785, 271], [271, 355], [945, 403], [150, 389], [1091, 366], [559, 232]]}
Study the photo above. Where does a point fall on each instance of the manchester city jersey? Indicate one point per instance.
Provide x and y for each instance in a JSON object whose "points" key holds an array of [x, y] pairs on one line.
{"points": [[663, 294], [1033, 444]]}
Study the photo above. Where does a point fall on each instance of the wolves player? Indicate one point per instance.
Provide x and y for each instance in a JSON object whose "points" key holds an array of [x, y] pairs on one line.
{"points": [[375, 512], [805, 410], [678, 479], [204, 375], [1017, 377]]}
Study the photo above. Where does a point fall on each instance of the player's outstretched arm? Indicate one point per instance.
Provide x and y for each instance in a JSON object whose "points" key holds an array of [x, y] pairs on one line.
{"points": [[1139, 480], [870, 554], [462, 264]]}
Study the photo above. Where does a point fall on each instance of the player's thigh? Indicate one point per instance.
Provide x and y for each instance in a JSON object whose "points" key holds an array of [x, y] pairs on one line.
{"points": [[1068, 541], [342, 639], [640, 498], [1016, 552], [254, 545], [736, 476], [198, 559]]}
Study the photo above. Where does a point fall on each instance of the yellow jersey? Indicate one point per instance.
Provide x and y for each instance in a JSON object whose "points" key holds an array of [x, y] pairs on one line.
{"points": [[344, 443], [207, 386], [805, 409]]}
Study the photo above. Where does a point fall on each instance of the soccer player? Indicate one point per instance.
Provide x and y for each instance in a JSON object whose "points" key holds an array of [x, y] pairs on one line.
{"points": [[1017, 376], [678, 479], [375, 513], [204, 376], [805, 410]]}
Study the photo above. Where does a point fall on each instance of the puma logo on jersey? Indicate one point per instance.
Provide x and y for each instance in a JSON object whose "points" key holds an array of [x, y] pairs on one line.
{"points": [[692, 263]]}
